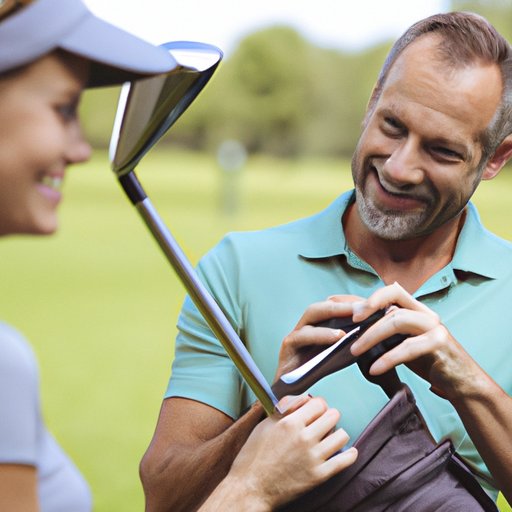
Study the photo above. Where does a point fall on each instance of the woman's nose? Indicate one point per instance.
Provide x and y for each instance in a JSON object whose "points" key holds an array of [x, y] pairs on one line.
{"points": [[78, 150]]}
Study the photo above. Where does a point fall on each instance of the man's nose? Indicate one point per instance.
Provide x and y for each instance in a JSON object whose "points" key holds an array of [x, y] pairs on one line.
{"points": [[404, 166]]}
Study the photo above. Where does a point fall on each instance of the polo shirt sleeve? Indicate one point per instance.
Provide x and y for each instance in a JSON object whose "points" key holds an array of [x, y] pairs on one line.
{"points": [[19, 399], [202, 370]]}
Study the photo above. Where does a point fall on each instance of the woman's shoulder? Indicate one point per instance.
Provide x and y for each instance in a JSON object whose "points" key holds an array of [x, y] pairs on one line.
{"points": [[16, 355]]}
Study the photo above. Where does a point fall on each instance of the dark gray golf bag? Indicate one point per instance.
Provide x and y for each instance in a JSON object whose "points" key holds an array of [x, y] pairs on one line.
{"points": [[400, 467]]}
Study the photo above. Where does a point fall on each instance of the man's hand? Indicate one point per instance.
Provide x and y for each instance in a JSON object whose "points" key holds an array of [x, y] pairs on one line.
{"points": [[306, 340], [430, 350]]}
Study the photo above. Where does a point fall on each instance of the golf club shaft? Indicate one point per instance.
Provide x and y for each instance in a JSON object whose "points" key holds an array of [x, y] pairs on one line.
{"points": [[208, 307]]}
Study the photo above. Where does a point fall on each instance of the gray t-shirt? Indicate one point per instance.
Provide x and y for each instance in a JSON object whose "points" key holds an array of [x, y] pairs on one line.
{"points": [[24, 438]]}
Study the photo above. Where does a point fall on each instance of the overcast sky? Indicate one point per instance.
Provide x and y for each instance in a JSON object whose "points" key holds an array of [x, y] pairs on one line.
{"points": [[331, 23]]}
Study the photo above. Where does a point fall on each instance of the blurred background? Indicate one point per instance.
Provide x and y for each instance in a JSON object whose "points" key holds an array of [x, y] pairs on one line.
{"points": [[268, 141]]}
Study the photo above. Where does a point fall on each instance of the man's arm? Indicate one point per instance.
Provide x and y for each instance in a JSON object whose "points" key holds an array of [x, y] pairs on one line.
{"points": [[191, 451]]}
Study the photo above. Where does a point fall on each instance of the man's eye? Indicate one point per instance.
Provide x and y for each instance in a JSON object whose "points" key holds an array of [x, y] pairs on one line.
{"points": [[446, 153], [392, 124]]}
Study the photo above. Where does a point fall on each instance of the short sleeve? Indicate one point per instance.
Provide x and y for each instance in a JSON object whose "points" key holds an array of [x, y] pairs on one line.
{"points": [[19, 399]]}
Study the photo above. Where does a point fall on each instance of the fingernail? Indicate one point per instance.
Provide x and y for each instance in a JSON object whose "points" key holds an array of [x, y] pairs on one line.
{"points": [[377, 367], [358, 308], [288, 401], [354, 349], [338, 333]]}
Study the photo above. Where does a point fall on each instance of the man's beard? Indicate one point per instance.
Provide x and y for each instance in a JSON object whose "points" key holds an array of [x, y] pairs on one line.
{"points": [[390, 225]]}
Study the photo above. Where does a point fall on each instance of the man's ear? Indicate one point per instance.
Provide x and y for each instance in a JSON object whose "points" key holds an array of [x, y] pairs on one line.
{"points": [[501, 156]]}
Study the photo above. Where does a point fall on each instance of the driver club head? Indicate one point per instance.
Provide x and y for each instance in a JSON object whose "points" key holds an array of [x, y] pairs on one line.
{"points": [[147, 108]]}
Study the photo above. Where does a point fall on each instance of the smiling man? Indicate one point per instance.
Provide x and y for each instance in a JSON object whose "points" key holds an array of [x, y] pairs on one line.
{"points": [[438, 123]]}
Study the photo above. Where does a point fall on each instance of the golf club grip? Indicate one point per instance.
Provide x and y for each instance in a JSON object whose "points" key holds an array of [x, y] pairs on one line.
{"points": [[329, 360]]}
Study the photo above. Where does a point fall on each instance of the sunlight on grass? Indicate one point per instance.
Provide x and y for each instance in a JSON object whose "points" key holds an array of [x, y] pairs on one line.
{"points": [[99, 302]]}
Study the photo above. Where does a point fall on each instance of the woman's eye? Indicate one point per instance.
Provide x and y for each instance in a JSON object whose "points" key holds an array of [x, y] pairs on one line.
{"points": [[67, 111]]}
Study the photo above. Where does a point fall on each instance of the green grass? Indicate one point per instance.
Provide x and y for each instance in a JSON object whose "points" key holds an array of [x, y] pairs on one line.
{"points": [[99, 302]]}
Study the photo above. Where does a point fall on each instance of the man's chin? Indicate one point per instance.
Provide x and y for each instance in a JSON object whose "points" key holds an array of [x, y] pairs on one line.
{"points": [[390, 226]]}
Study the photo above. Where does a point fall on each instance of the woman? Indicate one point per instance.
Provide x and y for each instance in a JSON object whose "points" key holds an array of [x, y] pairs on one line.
{"points": [[50, 50]]}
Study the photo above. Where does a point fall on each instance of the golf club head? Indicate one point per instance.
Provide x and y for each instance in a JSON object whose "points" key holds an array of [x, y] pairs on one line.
{"points": [[147, 108]]}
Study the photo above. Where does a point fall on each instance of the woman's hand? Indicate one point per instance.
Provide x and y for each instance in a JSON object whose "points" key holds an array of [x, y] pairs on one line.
{"points": [[285, 457]]}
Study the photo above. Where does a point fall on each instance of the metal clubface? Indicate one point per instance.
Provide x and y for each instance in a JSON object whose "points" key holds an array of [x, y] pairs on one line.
{"points": [[147, 109]]}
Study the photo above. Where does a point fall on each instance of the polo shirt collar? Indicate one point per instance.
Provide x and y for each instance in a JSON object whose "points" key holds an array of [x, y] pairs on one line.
{"points": [[325, 235], [478, 251]]}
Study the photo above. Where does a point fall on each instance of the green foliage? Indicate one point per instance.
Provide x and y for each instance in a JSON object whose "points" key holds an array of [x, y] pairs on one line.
{"points": [[277, 94]]}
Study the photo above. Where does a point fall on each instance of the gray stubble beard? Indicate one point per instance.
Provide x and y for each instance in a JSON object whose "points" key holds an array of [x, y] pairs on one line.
{"points": [[388, 225]]}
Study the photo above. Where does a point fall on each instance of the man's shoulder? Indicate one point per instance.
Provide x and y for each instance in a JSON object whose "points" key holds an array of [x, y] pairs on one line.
{"points": [[291, 235]]}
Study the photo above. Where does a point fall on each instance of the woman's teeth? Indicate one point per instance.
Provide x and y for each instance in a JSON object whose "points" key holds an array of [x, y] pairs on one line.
{"points": [[54, 182]]}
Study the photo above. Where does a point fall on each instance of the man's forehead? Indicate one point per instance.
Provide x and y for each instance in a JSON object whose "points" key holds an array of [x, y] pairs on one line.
{"points": [[419, 75]]}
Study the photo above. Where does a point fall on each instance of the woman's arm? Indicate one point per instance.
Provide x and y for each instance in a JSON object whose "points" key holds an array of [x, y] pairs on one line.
{"points": [[283, 458], [18, 488]]}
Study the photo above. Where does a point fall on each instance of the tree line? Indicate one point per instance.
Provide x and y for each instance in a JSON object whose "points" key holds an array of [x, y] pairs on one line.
{"points": [[280, 94]]}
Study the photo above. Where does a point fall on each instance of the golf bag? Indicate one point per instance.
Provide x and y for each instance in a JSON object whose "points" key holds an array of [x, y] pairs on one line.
{"points": [[400, 467]]}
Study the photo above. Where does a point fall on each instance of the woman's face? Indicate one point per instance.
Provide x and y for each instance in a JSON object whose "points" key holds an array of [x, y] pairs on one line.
{"points": [[39, 136]]}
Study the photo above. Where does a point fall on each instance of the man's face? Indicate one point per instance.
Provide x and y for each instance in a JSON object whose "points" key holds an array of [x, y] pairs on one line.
{"points": [[416, 163]]}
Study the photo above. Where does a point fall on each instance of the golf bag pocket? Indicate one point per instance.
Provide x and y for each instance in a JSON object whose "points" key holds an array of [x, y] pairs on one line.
{"points": [[399, 468]]}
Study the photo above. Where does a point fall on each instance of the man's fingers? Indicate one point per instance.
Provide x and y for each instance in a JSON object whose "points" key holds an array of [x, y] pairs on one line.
{"points": [[320, 311], [398, 321], [309, 336], [408, 351], [384, 297]]}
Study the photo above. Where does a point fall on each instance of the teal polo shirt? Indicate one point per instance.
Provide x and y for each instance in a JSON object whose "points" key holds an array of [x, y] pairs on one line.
{"points": [[264, 280]]}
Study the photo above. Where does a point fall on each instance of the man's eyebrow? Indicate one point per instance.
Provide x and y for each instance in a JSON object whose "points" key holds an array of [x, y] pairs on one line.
{"points": [[390, 111]]}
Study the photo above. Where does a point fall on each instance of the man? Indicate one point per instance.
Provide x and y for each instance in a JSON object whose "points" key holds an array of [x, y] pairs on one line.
{"points": [[438, 122]]}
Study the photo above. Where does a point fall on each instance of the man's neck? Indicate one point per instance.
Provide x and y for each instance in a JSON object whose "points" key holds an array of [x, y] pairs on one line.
{"points": [[408, 262]]}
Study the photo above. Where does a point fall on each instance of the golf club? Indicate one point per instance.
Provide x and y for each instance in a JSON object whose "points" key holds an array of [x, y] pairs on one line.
{"points": [[147, 109]]}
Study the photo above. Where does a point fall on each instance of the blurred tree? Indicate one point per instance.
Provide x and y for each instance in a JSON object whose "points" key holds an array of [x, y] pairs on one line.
{"points": [[282, 95], [276, 94]]}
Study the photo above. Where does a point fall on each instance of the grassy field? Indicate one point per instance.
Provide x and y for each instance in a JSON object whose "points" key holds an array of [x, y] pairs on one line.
{"points": [[99, 302]]}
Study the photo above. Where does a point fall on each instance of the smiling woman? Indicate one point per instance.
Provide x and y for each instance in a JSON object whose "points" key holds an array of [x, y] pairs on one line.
{"points": [[39, 104], [44, 68]]}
